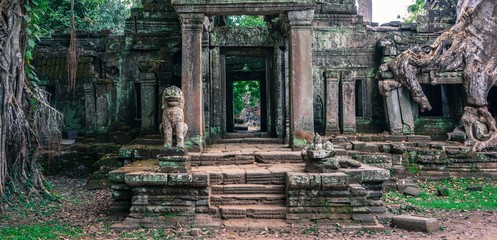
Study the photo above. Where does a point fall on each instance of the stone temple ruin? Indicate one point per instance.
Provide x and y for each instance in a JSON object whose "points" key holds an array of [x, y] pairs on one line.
{"points": [[318, 66]]}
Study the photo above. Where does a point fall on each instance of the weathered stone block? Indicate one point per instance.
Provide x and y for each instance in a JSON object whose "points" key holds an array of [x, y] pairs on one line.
{"points": [[139, 200], [180, 179], [412, 191], [200, 179], [357, 190], [334, 180], [298, 180], [413, 223], [146, 179], [116, 176]]}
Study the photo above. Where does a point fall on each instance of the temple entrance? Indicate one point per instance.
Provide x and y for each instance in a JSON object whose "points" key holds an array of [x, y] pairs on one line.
{"points": [[246, 104], [246, 92]]}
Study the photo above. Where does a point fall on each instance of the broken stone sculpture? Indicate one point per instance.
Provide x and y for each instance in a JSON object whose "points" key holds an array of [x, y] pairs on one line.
{"points": [[468, 45], [320, 157], [173, 122]]}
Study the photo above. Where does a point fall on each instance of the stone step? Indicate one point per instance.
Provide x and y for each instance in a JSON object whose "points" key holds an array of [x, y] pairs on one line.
{"points": [[248, 199], [253, 211], [246, 135], [247, 189], [140, 151], [238, 158], [252, 140], [148, 141]]}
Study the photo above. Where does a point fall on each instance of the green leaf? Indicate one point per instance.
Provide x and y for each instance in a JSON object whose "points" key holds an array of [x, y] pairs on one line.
{"points": [[27, 18], [31, 43], [29, 55]]}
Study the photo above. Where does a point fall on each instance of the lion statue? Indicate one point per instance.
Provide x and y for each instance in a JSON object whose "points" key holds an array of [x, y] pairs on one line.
{"points": [[173, 121]]}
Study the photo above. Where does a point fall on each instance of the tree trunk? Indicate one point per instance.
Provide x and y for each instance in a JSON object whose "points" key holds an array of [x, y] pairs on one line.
{"points": [[25, 115], [469, 45], [461, 4]]}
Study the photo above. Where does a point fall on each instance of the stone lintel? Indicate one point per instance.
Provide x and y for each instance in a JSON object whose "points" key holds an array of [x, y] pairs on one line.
{"points": [[241, 7]]}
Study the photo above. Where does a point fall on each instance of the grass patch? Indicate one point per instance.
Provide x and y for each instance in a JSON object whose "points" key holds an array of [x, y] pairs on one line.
{"points": [[459, 198], [40, 231]]}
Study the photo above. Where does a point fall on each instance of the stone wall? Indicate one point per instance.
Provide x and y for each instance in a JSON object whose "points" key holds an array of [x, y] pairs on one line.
{"points": [[120, 78]]}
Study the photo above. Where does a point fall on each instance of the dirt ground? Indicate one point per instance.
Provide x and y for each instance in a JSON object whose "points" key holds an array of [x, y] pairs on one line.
{"points": [[87, 210]]}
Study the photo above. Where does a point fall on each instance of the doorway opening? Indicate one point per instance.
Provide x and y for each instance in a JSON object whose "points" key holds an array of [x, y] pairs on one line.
{"points": [[492, 101], [247, 106], [246, 110]]}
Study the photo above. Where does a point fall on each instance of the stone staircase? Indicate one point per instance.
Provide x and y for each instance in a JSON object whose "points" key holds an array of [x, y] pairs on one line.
{"points": [[260, 196]]}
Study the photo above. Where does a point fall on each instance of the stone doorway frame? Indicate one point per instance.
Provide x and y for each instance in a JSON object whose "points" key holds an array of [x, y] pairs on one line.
{"points": [[265, 81], [193, 15]]}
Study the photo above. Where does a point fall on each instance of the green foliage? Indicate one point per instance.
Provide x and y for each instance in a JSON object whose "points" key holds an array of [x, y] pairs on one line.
{"points": [[415, 9], [245, 92], [459, 198], [245, 21], [90, 15], [53, 230]]}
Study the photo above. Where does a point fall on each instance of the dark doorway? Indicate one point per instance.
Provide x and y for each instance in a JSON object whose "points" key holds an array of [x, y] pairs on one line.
{"points": [[492, 101], [246, 108]]}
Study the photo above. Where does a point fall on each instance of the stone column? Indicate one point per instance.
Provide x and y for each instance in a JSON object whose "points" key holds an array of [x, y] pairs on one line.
{"points": [[191, 78], [148, 84], [365, 9], [90, 107], [279, 92], [348, 102], [393, 112], [332, 99], [216, 110], [301, 86], [406, 110]]}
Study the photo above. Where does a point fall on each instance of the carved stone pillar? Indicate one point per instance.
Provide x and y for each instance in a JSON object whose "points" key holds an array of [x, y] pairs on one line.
{"points": [[406, 109], [392, 111], [279, 86], [365, 9], [148, 83], [301, 86], [90, 107], [191, 78], [332, 99], [348, 102], [399, 110]]}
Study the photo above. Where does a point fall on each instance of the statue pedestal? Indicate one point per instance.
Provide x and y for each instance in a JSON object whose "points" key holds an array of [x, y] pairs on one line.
{"points": [[323, 165], [320, 157], [174, 160]]}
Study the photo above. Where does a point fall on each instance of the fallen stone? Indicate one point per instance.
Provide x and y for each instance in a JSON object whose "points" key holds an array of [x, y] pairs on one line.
{"points": [[474, 188], [413, 223], [443, 192], [412, 191], [195, 232], [402, 184]]}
